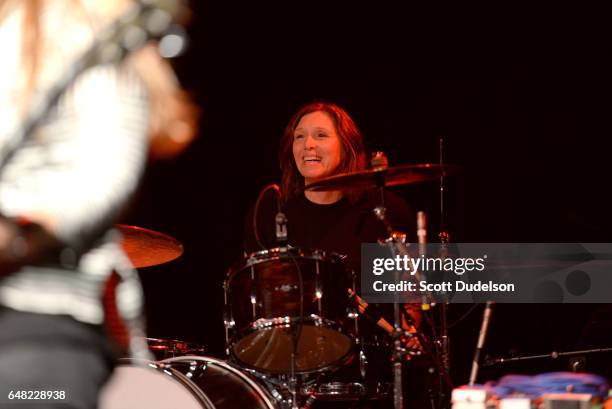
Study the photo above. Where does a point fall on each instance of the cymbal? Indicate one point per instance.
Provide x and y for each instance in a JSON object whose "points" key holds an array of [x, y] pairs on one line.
{"points": [[146, 247], [392, 176]]}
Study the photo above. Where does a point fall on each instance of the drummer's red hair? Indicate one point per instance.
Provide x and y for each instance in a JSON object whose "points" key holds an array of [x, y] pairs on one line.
{"points": [[353, 149]]}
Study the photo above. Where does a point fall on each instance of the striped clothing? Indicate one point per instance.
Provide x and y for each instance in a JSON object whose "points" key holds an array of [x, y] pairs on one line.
{"points": [[80, 168]]}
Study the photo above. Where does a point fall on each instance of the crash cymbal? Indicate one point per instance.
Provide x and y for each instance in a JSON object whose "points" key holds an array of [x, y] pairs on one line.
{"points": [[146, 247], [392, 176]]}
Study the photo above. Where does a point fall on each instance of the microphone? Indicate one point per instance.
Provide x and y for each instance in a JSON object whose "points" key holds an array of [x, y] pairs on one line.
{"points": [[481, 340], [422, 239], [422, 232], [281, 228]]}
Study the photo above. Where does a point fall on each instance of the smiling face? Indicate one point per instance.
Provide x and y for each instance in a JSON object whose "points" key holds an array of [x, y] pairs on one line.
{"points": [[317, 148]]}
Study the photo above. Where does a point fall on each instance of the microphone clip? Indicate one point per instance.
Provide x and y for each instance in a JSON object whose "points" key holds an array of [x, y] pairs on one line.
{"points": [[281, 234]]}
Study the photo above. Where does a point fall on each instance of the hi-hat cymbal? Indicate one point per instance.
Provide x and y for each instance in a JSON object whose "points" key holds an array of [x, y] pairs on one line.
{"points": [[146, 247], [393, 176]]}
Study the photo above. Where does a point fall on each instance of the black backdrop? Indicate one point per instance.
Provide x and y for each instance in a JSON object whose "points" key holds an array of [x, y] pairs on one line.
{"points": [[522, 97]]}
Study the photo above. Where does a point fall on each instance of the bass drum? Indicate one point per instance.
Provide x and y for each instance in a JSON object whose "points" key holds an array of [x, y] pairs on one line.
{"points": [[225, 385], [189, 382]]}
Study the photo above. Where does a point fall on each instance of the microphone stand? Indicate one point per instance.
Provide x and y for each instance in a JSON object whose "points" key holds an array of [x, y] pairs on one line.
{"points": [[443, 341], [399, 353], [486, 318], [552, 355], [281, 239], [285, 255]]}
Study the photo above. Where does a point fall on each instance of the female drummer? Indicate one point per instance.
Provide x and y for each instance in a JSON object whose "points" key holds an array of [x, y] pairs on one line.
{"points": [[322, 140]]}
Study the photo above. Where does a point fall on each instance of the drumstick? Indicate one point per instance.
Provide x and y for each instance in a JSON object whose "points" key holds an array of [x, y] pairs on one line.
{"points": [[362, 306], [413, 344]]}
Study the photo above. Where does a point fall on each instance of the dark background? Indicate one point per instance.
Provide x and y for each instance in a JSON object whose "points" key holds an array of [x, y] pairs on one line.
{"points": [[521, 96]]}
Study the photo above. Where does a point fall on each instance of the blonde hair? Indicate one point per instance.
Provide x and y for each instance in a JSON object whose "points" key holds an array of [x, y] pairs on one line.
{"points": [[173, 117]]}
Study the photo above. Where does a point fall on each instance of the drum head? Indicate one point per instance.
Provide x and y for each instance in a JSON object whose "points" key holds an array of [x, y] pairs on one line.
{"points": [[318, 348], [150, 387], [226, 386]]}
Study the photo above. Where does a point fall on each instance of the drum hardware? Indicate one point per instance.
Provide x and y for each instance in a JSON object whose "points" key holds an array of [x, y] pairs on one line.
{"points": [[344, 391], [145, 248], [396, 247], [189, 382], [169, 348], [283, 252], [277, 385], [264, 309], [363, 363], [486, 318], [444, 341], [139, 384], [362, 379], [280, 219], [381, 176], [281, 237], [488, 361]]}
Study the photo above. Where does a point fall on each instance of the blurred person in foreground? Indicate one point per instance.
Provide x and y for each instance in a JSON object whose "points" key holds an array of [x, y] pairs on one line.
{"points": [[70, 302]]}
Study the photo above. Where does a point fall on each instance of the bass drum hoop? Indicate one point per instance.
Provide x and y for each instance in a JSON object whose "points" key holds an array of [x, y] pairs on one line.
{"points": [[263, 393], [107, 395]]}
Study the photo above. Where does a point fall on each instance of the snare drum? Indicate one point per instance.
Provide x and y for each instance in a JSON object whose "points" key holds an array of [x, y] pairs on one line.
{"points": [[274, 296], [169, 348], [188, 382]]}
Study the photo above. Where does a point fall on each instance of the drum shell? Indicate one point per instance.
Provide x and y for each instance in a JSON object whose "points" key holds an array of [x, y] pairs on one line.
{"points": [[367, 377], [263, 293], [139, 384], [224, 384], [189, 382], [266, 285]]}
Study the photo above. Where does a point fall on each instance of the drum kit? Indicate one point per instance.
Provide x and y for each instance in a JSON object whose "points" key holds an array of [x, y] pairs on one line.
{"points": [[292, 332]]}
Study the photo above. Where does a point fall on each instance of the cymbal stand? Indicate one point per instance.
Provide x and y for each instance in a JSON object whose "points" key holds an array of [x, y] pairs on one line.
{"points": [[397, 246], [284, 255], [399, 354], [281, 238]]}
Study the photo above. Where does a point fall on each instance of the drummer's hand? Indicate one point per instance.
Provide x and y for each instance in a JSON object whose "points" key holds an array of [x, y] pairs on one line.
{"points": [[410, 341], [23, 242], [361, 304]]}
